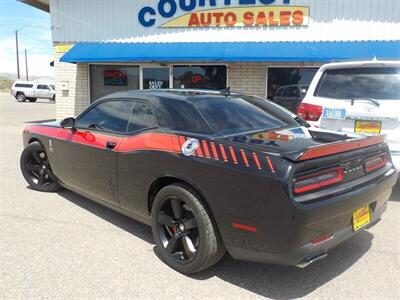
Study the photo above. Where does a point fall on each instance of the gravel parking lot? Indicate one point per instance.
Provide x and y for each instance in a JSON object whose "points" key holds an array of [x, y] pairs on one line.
{"points": [[61, 245]]}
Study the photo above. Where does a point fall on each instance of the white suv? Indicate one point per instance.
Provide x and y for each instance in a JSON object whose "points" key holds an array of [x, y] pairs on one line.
{"points": [[361, 97]]}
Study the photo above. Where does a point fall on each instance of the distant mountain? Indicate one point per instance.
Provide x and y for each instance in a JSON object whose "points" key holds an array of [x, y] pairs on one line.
{"points": [[12, 76]]}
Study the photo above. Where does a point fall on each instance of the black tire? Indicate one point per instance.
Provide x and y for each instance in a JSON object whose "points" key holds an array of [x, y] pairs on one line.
{"points": [[20, 97], [53, 99], [32, 99], [196, 245], [36, 169]]}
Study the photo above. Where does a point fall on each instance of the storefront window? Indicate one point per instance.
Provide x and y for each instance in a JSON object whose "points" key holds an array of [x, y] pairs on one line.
{"points": [[288, 86], [106, 79], [155, 78], [199, 77]]}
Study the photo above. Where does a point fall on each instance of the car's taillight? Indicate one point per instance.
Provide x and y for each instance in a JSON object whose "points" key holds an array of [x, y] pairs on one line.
{"points": [[375, 162], [318, 180], [309, 112]]}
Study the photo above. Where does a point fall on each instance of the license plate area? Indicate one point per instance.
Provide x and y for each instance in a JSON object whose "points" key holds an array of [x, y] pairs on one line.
{"points": [[361, 217], [334, 113], [361, 126]]}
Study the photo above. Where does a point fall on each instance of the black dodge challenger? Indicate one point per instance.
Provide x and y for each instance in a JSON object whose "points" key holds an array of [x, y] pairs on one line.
{"points": [[215, 172]]}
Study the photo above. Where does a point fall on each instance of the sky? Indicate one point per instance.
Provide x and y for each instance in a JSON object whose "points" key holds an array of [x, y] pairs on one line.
{"points": [[36, 38]]}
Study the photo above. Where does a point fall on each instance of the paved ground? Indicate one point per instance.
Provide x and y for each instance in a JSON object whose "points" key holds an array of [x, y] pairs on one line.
{"points": [[64, 246]]}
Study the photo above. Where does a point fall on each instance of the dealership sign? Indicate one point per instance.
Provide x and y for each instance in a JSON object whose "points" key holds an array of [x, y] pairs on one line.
{"points": [[246, 13]]}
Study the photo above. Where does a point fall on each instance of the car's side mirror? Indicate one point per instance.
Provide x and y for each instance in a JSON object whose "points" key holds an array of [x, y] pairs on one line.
{"points": [[68, 123]]}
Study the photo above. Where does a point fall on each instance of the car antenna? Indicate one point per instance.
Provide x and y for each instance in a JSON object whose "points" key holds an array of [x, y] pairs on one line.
{"points": [[226, 92]]}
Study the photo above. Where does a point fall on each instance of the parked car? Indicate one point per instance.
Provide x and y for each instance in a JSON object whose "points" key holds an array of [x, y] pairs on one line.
{"points": [[290, 96], [215, 172], [361, 97], [31, 91]]}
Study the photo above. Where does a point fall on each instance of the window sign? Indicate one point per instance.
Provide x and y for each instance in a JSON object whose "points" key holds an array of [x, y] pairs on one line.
{"points": [[115, 77], [104, 81], [155, 78], [155, 84], [200, 77]]}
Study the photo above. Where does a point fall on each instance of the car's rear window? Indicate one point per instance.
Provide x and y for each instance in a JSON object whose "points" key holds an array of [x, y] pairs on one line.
{"points": [[236, 115], [381, 83]]}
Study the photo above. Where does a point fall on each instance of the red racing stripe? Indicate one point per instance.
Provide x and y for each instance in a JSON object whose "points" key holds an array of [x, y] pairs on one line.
{"points": [[181, 140], [244, 156], [214, 151], [150, 141], [199, 151], [270, 165], [233, 155], [81, 137], [256, 160], [222, 148], [206, 150]]}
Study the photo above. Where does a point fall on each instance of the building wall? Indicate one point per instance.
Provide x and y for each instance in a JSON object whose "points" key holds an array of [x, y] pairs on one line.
{"points": [[248, 78], [71, 102]]}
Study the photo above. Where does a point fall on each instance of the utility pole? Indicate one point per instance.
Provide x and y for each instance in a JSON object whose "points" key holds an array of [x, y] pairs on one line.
{"points": [[26, 65], [16, 46]]}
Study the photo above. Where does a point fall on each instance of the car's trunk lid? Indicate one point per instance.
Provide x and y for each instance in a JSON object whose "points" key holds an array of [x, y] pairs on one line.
{"points": [[292, 143], [316, 160]]}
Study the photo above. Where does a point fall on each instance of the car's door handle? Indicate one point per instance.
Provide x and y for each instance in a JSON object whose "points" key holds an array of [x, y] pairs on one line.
{"points": [[111, 145]]}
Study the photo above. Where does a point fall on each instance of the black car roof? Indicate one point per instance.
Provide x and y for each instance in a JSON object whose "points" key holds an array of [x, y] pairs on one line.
{"points": [[162, 95]]}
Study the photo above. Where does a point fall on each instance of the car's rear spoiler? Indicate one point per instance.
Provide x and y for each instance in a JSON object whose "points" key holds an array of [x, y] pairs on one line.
{"points": [[336, 147]]}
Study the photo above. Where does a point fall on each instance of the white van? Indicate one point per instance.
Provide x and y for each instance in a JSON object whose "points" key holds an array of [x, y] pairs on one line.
{"points": [[361, 97]]}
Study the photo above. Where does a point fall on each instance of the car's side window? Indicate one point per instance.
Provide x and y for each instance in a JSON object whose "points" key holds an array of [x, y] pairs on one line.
{"points": [[142, 117], [23, 85], [179, 115], [109, 116]]}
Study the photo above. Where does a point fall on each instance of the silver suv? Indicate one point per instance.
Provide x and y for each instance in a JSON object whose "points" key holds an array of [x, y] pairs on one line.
{"points": [[31, 91]]}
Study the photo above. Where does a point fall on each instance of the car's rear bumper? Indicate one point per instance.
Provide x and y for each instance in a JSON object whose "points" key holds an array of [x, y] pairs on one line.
{"points": [[337, 226], [306, 254]]}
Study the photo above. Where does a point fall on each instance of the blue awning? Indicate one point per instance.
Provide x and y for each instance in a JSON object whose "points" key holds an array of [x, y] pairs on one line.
{"points": [[233, 52]]}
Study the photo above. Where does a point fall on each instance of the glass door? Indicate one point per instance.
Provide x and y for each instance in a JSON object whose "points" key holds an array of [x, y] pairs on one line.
{"points": [[155, 78]]}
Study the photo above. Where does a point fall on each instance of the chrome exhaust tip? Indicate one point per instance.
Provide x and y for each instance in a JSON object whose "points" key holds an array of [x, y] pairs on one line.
{"points": [[312, 260]]}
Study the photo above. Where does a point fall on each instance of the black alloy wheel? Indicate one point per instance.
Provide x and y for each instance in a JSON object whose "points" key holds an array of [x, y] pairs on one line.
{"points": [[184, 231], [36, 169], [178, 230]]}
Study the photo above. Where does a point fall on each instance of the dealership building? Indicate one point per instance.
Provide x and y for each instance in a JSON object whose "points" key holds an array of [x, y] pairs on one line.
{"points": [[252, 46]]}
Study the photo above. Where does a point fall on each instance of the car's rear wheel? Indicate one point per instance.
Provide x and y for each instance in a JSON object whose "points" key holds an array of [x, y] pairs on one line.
{"points": [[20, 97], [185, 233], [36, 169]]}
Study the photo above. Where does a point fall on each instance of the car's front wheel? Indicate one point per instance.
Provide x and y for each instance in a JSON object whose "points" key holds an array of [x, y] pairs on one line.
{"points": [[20, 97], [185, 233], [36, 169]]}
